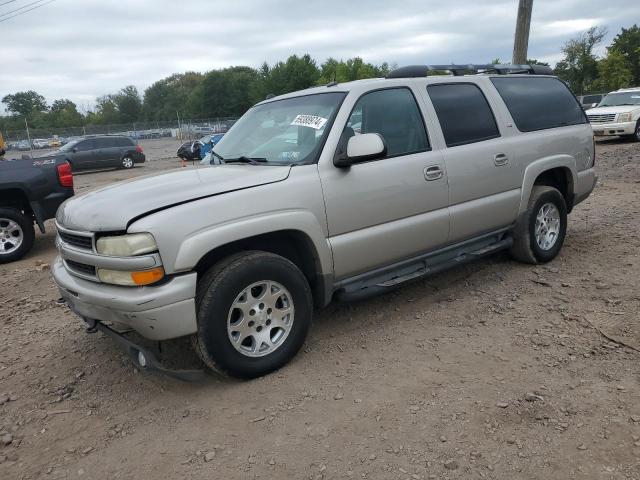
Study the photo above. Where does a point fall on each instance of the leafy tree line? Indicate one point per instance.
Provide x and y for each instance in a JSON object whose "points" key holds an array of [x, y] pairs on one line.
{"points": [[226, 92], [231, 91], [586, 73]]}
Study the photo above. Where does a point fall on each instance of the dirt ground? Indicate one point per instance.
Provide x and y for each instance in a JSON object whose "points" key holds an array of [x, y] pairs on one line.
{"points": [[493, 370]]}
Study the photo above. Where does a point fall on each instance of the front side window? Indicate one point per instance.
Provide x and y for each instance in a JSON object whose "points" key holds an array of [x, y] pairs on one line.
{"points": [[463, 112], [393, 113], [86, 145], [538, 103], [282, 132]]}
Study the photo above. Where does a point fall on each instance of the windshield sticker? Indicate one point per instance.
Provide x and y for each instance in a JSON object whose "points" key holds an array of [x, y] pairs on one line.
{"points": [[309, 121]]}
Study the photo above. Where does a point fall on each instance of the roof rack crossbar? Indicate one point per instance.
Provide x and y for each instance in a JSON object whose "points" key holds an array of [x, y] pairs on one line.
{"points": [[414, 71]]}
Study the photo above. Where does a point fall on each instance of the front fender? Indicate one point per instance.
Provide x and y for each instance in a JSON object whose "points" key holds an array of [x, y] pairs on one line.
{"points": [[198, 244], [534, 169]]}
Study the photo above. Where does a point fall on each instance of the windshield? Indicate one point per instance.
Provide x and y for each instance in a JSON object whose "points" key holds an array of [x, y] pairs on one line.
{"points": [[69, 146], [623, 98], [283, 131]]}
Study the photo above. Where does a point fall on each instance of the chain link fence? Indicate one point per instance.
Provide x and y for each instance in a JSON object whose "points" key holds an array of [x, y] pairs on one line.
{"points": [[188, 129]]}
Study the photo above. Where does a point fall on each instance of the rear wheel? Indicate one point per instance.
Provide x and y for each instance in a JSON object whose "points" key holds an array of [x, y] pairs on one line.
{"points": [[254, 313], [127, 162], [540, 232], [16, 235]]}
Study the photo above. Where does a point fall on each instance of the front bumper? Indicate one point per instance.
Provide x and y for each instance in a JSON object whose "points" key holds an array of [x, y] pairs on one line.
{"points": [[613, 129], [157, 312]]}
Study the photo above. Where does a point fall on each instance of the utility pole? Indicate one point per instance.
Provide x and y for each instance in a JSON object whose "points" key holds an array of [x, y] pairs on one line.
{"points": [[28, 135], [521, 40]]}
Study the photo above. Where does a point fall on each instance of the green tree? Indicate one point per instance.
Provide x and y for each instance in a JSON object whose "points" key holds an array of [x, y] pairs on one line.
{"points": [[64, 113], [349, 70], [627, 44], [106, 111], [579, 67], [297, 73], [170, 95], [613, 72], [128, 104], [25, 104], [224, 93]]}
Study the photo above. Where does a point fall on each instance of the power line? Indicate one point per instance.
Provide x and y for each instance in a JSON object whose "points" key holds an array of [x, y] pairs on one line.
{"points": [[4, 3], [25, 11], [4, 14]]}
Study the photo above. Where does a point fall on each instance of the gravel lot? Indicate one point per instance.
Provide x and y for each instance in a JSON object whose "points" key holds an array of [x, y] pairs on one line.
{"points": [[492, 370]]}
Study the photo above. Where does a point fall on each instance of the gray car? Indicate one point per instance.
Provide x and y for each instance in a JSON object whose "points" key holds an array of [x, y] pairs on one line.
{"points": [[335, 192], [108, 151]]}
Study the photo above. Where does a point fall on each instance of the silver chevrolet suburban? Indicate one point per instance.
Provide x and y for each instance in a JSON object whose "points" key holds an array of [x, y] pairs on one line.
{"points": [[335, 192]]}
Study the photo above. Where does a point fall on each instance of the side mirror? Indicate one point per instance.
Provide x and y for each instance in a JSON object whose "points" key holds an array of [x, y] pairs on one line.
{"points": [[360, 148], [74, 149]]}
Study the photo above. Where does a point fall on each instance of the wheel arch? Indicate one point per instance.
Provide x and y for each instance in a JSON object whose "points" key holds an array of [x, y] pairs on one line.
{"points": [[559, 172], [294, 245]]}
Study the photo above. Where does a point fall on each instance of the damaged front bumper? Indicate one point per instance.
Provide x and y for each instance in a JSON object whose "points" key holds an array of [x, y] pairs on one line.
{"points": [[142, 357], [158, 312]]}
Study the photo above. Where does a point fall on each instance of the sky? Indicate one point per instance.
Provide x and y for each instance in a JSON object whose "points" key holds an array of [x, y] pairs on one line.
{"points": [[81, 49]]}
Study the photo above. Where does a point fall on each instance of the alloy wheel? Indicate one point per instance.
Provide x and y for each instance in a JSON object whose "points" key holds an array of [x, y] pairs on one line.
{"points": [[260, 318], [547, 227], [11, 236]]}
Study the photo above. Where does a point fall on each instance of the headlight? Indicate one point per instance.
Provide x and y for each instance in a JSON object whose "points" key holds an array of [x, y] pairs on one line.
{"points": [[131, 279], [624, 117], [126, 245]]}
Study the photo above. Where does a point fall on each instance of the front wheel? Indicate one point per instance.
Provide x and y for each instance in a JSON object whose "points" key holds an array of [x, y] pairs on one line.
{"points": [[540, 232], [254, 313], [636, 134], [16, 235]]}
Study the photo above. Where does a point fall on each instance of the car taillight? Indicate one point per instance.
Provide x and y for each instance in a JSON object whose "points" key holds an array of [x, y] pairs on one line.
{"points": [[138, 149], [65, 176]]}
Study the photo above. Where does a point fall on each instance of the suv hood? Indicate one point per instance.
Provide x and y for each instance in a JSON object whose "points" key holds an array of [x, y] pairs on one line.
{"points": [[618, 109], [112, 208]]}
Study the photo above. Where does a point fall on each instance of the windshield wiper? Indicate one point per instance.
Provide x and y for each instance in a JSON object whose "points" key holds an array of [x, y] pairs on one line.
{"points": [[217, 155], [245, 159]]}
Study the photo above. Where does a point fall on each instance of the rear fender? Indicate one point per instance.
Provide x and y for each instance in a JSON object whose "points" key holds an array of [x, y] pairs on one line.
{"points": [[534, 169]]}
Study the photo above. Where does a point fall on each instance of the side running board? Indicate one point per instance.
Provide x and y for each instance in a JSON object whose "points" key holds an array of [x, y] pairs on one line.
{"points": [[383, 280]]}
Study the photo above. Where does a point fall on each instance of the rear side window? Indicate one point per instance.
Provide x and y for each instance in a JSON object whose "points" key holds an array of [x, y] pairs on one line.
{"points": [[394, 114], [110, 142], [539, 103], [464, 113]]}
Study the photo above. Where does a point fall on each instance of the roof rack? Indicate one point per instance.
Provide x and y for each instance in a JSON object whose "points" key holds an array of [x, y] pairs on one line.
{"points": [[414, 71]]}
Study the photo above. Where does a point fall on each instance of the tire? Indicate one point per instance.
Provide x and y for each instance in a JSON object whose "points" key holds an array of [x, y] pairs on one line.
{"points": [[526, 247], [16, 235], [221, 307], [126, 162], [636, 136]]}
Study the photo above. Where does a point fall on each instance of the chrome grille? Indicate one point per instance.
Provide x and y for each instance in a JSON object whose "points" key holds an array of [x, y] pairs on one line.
{"points": [[79, 241], [601, 118]]}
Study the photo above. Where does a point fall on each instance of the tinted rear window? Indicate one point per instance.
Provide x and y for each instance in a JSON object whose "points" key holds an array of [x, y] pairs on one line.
{"points": [[539, 103], [106, 142], [463, 112]]}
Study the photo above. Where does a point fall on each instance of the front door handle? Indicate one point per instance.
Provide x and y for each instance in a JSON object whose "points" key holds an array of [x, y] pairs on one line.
{"points": [[433, 172], [500, 159]]}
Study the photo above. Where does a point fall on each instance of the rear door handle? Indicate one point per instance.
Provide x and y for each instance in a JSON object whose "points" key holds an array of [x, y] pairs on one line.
{"points": [[433, 172], [500, 159]]}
